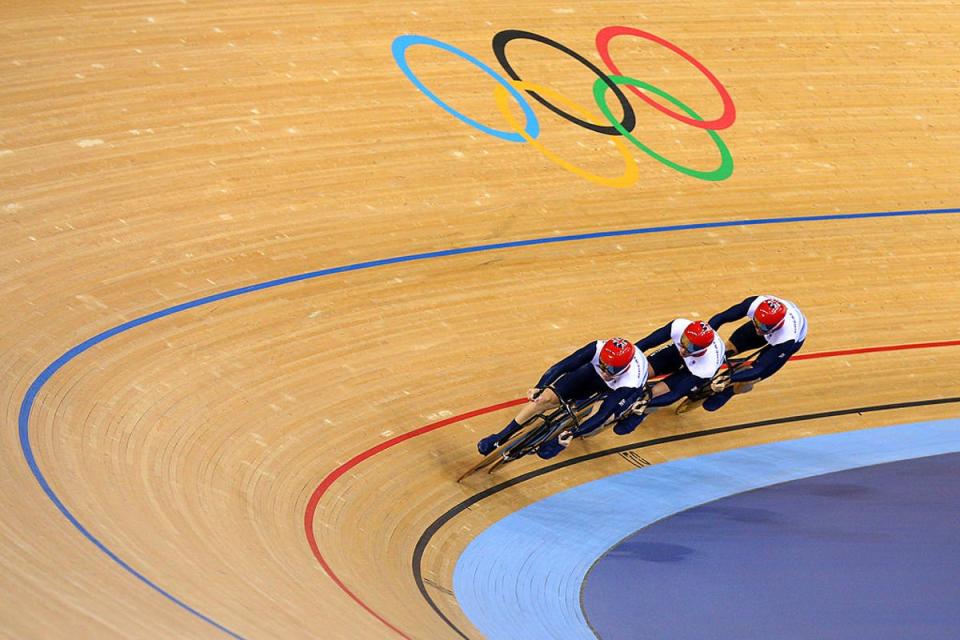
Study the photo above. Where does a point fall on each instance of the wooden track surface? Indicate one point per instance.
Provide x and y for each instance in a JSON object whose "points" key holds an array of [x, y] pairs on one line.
{"points": [[153, 153]]}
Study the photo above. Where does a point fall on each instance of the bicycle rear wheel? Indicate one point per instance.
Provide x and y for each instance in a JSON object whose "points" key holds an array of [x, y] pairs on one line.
{"points": [[525, 440], [496, 456], [563, 418]]}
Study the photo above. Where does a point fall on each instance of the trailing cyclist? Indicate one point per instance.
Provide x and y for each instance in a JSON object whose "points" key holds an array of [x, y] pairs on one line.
{"points": [[614, 368]]}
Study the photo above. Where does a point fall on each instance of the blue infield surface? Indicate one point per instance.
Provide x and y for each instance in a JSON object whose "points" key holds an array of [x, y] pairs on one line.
{"points": [[872, 553], [680, 549]]}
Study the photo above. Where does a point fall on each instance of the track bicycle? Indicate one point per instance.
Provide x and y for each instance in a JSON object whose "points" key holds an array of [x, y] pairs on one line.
{"points": [[544, 426]]}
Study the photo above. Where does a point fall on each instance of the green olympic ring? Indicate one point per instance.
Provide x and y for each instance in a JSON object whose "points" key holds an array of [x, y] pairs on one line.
{"points": [[726, 159]]}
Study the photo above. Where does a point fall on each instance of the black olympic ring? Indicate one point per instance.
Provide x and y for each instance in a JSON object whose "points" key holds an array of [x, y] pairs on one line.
{"points": [[499, 49]]}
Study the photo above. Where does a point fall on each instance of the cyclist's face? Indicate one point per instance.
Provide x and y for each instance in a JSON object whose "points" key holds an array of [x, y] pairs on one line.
{"points": [[687, 348], [609, 371], [763, 329]]}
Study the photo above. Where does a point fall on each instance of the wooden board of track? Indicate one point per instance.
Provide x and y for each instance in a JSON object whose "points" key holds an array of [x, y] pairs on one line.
{"points": [[259, 463]]}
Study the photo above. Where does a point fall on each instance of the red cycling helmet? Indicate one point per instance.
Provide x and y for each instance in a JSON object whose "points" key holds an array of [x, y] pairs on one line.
{"points": [[697, 337], [616, 355], [769, 316]]}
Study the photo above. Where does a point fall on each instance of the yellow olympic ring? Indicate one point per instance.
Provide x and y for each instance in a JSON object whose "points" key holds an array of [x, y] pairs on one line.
{"points": [[631, 171]]}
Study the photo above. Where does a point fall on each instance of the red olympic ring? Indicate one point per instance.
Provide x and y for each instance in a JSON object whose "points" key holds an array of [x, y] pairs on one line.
{"points": [[605, 35]]}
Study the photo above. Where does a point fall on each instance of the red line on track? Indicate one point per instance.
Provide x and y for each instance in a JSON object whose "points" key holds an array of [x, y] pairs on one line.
{"points": [[895, 347], [333, 476], [369, 453]]}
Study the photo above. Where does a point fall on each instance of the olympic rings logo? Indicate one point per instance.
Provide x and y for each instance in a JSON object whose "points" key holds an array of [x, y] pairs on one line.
{"points": [[620, 129]]}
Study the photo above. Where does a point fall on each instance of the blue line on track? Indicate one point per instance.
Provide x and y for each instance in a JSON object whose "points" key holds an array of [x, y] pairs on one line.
{"points": [[30, 397]]}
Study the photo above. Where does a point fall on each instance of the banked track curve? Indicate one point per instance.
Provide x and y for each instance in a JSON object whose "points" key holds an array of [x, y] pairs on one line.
{"points": [[36, 387]]}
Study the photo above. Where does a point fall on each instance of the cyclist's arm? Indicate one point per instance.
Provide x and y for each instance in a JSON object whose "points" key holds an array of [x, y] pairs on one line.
{"points": [[614, 403], [659, 336], [735, 312], [767, 364], [577, 358]]}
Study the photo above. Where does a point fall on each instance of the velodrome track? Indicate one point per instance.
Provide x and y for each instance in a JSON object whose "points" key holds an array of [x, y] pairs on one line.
{"points": [[261, 295]]}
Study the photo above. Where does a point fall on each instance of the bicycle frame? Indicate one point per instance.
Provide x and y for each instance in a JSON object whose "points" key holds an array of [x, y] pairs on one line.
{"points": [[566, 416]]}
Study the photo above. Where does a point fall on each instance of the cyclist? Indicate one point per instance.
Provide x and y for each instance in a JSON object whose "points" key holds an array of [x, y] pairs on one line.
{"points": [[775, 324], [692, 356], [615, 368]]}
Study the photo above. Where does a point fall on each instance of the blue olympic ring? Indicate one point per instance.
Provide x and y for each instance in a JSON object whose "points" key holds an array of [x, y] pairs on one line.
{"points": [[399, 48]]}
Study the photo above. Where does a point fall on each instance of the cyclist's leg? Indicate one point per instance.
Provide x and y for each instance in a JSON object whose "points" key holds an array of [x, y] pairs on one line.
{"points": [[772, 361], [663, 361], [680, 384], [582, 382], [587, 382], [745, 338], [667, 391], [630, 420], [579, 383], [544, 402], [716, 401]]}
